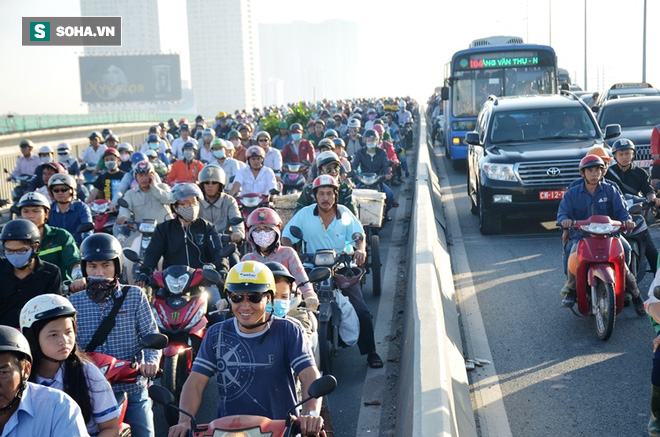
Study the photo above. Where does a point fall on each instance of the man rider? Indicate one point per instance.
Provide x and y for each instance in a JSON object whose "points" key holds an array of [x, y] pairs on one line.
{"points": [[66, 211], [205, 153], [584, 200], [185, 169], [177, 144], [283, 138], [255, 178], [107, 183], [274, 348], [328, 225], [222, 152], [26, 408], [353, 140], [148, 200], [91, 155], [27, 163], [633, 180], [273, 157], [298, 149]]}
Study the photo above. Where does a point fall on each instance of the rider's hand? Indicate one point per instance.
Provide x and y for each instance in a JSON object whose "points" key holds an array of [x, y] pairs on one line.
{"points": [[121, 220], [181, 429], [142, 280], [566, 223], [112, 208], [656, 202], [629, 225], [221, 305], [148, 369], [235, 238], [310, 425], [311, 302], [359, 256], [388, 177], [78, 285]]}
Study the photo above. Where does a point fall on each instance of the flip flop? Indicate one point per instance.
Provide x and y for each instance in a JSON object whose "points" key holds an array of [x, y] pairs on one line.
{"points": [[374, 360]]}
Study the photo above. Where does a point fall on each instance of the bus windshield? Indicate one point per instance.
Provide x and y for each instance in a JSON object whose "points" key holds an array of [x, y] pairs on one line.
{"points": [[502, 73]]}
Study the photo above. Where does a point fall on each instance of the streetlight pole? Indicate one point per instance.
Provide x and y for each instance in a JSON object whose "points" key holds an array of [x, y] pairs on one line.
{"points": [[644, 47], [550, 20], [585, 45]]}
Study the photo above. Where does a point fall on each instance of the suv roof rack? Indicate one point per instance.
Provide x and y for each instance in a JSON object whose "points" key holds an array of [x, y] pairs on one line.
{"points": [[493, 98]]}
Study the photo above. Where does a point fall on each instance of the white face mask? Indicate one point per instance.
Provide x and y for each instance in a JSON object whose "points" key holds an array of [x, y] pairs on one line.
{"points": [[188, 154], [125, 157], [46, 159]]}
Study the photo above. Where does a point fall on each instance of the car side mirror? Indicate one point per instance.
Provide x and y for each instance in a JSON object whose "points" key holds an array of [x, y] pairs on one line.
{"points": [[472, 138], [444, 93], [612, 131]]}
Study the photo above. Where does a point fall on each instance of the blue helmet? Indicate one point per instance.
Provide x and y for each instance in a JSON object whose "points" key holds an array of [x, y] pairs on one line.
{"points": [[137, 157], [153, 138]]}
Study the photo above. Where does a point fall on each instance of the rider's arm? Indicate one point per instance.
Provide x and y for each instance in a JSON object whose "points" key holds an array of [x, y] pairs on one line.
{"points": [[146, 324], [235, 188], [191, 398], [155, 250], [232, 212], [307, 376]]}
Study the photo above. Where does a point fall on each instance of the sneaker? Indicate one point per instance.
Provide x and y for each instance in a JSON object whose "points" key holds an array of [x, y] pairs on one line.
{"points": [[569, 300], [638, 304]]}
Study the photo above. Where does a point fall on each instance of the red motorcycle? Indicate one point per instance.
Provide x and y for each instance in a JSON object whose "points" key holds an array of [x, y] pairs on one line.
{"points": [[104, 219], [125, 371], [180, 306], [250, 201], [246, 424], [599, 268]]}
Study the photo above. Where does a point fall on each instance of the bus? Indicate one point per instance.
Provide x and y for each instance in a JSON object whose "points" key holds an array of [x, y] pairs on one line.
{"points": [[500, 66]]}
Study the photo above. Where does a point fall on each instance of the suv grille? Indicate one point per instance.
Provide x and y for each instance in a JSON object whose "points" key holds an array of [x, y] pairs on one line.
{"points": [[539, 173]]}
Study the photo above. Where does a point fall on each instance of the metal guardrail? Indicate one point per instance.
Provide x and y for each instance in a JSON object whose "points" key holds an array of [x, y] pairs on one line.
{"points": [[25, 123]]}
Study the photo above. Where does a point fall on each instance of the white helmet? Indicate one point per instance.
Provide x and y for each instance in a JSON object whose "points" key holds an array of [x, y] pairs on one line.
{"points": [[45, 307], [62, 179], [63, 147], [354, 122], [45, 149]]}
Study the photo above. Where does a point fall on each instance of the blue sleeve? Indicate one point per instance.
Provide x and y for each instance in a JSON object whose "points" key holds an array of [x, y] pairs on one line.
{"points": [[85, 217], [565, 210], [68, 419], [298, 351], [146, 324], [163, 157]]}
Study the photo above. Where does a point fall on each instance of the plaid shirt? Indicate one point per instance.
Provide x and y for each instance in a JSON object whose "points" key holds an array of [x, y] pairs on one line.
{"points": [[134, 320]]}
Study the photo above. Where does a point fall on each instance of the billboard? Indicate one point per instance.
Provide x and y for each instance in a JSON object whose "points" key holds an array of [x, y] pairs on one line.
{"points": [[140, 78]]}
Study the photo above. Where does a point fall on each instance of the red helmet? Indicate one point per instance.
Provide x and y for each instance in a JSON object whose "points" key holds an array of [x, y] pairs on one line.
{"points": [[59, 168], [591, 161], [264, 217], [325, 180], [254, 151], [111, 151]]}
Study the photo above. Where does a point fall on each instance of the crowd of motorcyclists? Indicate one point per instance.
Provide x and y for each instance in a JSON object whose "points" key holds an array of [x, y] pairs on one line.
{"points": [[66, 281]]}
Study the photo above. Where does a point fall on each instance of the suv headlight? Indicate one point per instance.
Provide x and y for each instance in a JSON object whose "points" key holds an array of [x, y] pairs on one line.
{"points": [[500, 172]]}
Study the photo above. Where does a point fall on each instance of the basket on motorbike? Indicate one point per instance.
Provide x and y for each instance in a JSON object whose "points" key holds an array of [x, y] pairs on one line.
{"points": [[284, 206], [371, 206]]}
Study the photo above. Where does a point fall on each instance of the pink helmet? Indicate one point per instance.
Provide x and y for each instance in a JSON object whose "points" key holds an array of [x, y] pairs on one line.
{"points": [[379, 128], [254, 151]]}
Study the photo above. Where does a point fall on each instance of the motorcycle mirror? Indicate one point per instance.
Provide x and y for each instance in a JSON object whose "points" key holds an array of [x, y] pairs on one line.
{"points": [[322, 386], [123, 203], [227, 250], [296, 232], [306, 162], [319, 274], [236, 221], [656, 291], [212, 276], [85, 227], [274, 191], [131, 255], [161, 395], [154, 341]]}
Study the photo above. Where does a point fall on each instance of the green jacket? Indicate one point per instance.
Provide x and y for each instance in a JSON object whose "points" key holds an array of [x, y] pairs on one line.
{"points": [[345, 198], [58, 247]]}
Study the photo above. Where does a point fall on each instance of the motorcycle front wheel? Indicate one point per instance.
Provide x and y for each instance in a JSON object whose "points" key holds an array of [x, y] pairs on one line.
{"points": [[605, 306], [325, 347], [174, 375]]}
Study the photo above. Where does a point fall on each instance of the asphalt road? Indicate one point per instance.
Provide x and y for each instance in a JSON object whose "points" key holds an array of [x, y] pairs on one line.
{"points": [[555, 377], [365, 399]]}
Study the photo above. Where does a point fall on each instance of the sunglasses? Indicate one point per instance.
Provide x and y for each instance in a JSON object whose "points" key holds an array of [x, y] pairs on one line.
{"points": [[332, 169], [262, 140], [61, 190], [252, 297], [210, 182]]}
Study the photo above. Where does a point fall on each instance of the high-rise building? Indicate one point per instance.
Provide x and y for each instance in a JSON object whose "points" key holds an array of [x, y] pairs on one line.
{"points": [[313, 60], [139, 24], [224, 55]]}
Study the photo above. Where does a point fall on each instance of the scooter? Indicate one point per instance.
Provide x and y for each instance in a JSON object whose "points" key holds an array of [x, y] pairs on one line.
{"points": [[293, 177], [104, 219], [245, 425], [139, 244], [637, 207], [125, 371], [250, 201], [180, 307], [22, 183], [599, 265]]}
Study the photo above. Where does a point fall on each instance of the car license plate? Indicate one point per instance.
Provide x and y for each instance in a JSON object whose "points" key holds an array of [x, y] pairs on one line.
{"points": [[644, 163], [551, 195]]}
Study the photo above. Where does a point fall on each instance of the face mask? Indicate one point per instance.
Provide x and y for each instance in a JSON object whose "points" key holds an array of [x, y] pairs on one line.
{"points": [[99, 288], [219, 153], [46, 159], [296, 137], [264, 239], [371, 146], [280, 307], [153, 146], [188, 155], [235, 142], [352, 132], [111, 165], [125, 157], [371, 116], [188, 213], [64, 158], [19, 260]]}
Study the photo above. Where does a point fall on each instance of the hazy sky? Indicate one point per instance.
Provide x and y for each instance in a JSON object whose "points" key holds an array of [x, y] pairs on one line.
{"points": [[413, 39]]}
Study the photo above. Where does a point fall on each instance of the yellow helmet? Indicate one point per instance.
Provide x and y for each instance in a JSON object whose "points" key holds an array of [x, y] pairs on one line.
{"points": [[222, 114], [250, 276]]}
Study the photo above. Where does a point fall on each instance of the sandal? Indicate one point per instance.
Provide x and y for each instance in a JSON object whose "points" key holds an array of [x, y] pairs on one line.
{"points": [[374, 360]]}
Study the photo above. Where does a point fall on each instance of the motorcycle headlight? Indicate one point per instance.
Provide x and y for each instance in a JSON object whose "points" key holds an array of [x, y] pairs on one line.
{"points": [[177, 285], [500, 172], [600, 228], [293, 168], [251, 202], [201, 312], [324, 259], [99, 208], [369, 180], [147, 227]]}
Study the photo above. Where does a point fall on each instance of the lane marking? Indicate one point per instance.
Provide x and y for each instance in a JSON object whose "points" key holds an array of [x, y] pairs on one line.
{"points": [[486, 392]]}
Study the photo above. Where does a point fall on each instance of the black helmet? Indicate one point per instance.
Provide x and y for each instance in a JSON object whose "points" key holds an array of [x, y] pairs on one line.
{"points": [[623, 144], [370, 133], [11, 340], [101, 247], [20, 229], [279, 270], [95, 134], [26, 143], [296, 127]]}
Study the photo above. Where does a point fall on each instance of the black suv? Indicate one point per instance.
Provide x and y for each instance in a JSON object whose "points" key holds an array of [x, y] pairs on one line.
{"points": [[524, 153]]}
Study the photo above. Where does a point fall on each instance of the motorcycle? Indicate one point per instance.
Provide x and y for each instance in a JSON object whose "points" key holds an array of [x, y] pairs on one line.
{"points": [[638, 207], [125, 371], [293, 177], [104, 218], [250, 201], [180, 307], [22, 183], [599, 265], [146, 229], [407, 135], [246, 424]]}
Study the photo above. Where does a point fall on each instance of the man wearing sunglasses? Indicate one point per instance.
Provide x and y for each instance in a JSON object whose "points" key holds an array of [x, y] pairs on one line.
{"points": [[328, 163], [273, 158], [264, 352]]}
